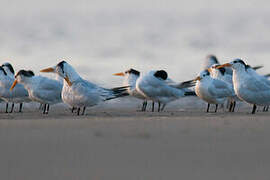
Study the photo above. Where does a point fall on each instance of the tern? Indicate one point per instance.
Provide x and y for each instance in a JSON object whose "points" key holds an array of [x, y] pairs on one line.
{"points": [[249, 86], [81, 93], [40, 89], [130, 78], [221, 74], [213, 91], [19, 95], [211, 60], [153, 86]]}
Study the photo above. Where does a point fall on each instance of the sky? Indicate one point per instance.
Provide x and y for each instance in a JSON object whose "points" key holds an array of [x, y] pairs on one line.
{"points": [[100, 37]]}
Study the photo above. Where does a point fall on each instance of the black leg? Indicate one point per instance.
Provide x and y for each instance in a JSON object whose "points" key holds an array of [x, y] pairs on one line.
{"points": [[163, 107], [44, 108], [83, 110], [78, 111], [12, 107], [143, 105], [6, 107], [208, 106], [216, 108], [265, 108], [72, 110], [21, 105], [254, 109], [234, 104], [231, 106], [48, 108], [153, 106], [159, 106]]}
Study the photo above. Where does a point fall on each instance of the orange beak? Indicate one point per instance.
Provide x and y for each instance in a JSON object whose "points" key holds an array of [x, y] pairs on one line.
{"points": [[13, 85], [197, 78], [68, 81], [224, 65], [47, 70], [119, 74], [209, 70]]}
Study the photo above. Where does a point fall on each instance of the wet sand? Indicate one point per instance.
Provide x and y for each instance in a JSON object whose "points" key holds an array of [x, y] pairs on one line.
{"points": [[120, 143]]}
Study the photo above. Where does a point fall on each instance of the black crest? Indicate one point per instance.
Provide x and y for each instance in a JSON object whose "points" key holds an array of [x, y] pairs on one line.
{"points": [[25, 73], [161, 74], [9, 66], [133, 71], [2, 69], [61, 65], [241, 62], [31, 72]]}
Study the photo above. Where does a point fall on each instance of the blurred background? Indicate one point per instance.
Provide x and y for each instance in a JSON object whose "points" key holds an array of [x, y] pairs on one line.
{"points": [[101, 37]]}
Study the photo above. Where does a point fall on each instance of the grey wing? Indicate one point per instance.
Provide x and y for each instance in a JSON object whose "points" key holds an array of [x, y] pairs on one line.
{"points": [[86, 92], [49, 90], [265, 80], [255, 85], [45, 95], [86, 89], [50, 85], [220, 89], [88, 84], [168, 91]]}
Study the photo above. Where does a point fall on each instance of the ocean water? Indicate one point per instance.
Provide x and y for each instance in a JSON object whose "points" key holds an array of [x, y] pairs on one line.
{"points": [[100, 38]]}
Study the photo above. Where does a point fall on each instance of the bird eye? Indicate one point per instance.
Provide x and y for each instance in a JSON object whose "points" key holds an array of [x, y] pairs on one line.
{"points": [[234, 61]]}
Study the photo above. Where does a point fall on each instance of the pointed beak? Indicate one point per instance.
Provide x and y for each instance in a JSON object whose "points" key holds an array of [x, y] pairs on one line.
{"points": [[224, 65], [197, 78], [13, 85], [47, 70], [209, 70], [119, 74], [68, 81]]}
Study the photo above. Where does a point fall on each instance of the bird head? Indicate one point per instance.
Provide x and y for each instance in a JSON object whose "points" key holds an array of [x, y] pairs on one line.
{"points": [[21, 77], [62, 69], [202, 75], [8, 68], [236, 64]]}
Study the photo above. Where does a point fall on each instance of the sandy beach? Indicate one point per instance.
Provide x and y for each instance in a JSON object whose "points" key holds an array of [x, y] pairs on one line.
{"points": [[119, 143]]}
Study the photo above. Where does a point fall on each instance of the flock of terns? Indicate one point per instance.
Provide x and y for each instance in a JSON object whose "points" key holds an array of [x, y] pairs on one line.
{"points": [[216, 84]]}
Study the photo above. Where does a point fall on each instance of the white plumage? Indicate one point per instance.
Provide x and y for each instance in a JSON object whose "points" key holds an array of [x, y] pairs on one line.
{"points": [[78, 92], [153, 86], [18, 95], [213, 91], [248, 85], [130, 78], [40, 89]]}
